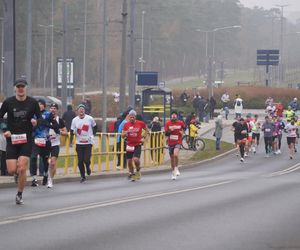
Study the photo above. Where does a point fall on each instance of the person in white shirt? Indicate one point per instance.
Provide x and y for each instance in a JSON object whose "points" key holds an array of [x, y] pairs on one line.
{"points": [[84, 127], [291, 130], [238, 106], [225, 99], [55, 142]]}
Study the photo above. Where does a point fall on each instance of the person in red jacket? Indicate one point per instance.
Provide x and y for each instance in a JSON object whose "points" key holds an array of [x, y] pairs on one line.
{"points": [[174, 129], [132, 131]]}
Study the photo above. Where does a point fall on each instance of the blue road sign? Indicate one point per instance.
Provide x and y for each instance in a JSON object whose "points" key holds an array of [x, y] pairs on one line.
{"points": [[146, 78], [267, 57]]}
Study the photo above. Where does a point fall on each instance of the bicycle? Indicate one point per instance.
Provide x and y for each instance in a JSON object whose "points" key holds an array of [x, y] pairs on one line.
{"points": [[198, 144]]}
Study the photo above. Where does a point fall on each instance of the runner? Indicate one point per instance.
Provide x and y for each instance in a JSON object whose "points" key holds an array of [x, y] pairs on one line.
{"points": [[42, 143], [255, 133], [268, 129], [20, 111], [233, 128], [174, 129], [132, 131], [55, 142], [291, 129], [281, 128], [241, 132], [84, 127]]}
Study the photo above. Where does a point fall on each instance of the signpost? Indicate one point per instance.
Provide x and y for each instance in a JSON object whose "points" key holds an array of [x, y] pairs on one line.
{"points": [[70, 77], [267, 58]]}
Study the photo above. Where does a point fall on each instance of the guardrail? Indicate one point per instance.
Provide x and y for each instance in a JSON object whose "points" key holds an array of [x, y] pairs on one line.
{"points": [[106, 151]]}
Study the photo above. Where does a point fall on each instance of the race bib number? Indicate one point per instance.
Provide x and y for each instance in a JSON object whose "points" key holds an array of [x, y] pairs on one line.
{"points": [[18, 139], [84, 139], [53, 137], [41, 142], [173, 137], [244, 132], [130, 148], [268, 130]]}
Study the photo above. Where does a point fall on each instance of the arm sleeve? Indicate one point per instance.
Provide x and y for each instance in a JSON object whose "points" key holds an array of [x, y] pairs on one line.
{"points": [[3, 109]]}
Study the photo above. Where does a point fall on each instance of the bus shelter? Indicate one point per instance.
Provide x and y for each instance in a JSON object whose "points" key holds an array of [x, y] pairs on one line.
{"points": [[156, 102]]}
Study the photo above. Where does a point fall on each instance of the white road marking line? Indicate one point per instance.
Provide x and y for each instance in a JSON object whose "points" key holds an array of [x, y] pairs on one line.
{"points": [[284, 171], [73, 209]]}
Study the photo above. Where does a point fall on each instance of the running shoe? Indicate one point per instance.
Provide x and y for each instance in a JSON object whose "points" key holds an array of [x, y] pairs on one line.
{"points": [[130, 176], [174, 175], [291, 157], [50, 183], [88, 170], [45, 180], [242, 159], [177, 171], [82, 180], [19, 200], [137, 175], [278, 151], [34, 183]]}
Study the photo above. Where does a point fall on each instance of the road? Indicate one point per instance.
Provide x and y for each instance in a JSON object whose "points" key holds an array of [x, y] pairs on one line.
{"points": [[223, 204]]}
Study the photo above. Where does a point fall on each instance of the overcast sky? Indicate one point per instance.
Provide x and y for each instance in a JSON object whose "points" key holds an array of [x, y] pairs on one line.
{"points": [[294, 5]]}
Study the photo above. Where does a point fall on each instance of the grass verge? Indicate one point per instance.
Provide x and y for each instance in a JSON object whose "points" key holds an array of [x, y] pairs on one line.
{"points": [[210, 150]]}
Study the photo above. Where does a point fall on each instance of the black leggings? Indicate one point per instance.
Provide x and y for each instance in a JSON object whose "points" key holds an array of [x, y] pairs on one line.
{"points": [[279, 140], [242, 149], [268, 144], [84, 157]]}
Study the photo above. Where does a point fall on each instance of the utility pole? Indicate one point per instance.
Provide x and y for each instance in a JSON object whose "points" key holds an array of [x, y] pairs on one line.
{"points": [[104, 67], [142, 61], [132, 86], [28, 43], [281, 45], [209, 78], [64, 62], [123, 57], [2, 51], [84, 51], [52, 42]]}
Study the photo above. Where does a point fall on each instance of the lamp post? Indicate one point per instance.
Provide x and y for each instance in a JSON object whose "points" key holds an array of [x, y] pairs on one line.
{"points": [[142, 42], [2, 50], [45, 50]]}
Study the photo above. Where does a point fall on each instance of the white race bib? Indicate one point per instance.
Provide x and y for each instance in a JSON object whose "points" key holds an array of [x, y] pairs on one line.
{"points": [[173, 137], [18, 139], [84, 139], [268, 130], [41, 142], [130, 148]]}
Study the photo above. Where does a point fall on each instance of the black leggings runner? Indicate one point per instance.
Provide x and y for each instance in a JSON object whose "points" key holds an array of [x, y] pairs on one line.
{"points": [[84, 158]]}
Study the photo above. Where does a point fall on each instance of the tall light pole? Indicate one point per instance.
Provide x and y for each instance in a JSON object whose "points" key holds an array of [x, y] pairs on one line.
{"points": [[84, 51], [142, 42], [52, 50], [281, 43], [2, 51], [45, 50]]}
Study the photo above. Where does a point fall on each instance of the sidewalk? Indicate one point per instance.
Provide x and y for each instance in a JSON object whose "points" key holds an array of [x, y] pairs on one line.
{"points": [[205, 131]]}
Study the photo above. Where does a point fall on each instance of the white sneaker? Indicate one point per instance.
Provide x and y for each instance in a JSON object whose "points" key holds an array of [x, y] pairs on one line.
{"points": [[174, 175], [278, 151], [50, 183], [242, 159], [246, 155], [177, 171]]}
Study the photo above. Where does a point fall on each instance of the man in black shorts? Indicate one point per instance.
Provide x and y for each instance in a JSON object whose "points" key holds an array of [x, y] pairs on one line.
{"points": [[20, 111]]}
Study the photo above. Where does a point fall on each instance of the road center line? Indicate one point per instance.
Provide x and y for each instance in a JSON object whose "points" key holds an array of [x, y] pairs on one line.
{"points": [[73, 209], [284, 171]]}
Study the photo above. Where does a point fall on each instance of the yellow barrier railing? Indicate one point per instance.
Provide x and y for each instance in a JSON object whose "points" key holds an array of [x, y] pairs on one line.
{"points": [[109, 155]]}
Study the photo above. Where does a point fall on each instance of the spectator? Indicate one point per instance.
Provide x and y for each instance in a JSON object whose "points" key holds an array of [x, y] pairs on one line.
{"points": [[213, 104], [68, 116], [269, 101], [196, 100], [294, 104], [238, 106], [88, 105], [155, 139], [201, 106], [184, 98], [225, 99], [218, 131]]}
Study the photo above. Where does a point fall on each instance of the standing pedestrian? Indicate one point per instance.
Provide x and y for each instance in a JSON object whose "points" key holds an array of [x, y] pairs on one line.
{"points": [[55, 142], [68, 116], [155, 140], [213, 104], [20, 111], [84, 127], [174, 129], [238, 106], [132, 130], [218, 131], [225, 99]]}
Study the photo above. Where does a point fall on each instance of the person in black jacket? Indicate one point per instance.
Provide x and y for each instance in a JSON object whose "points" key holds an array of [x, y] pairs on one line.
{"points": [[241, 132], [68, 116], [155, 139], [213, 104]]}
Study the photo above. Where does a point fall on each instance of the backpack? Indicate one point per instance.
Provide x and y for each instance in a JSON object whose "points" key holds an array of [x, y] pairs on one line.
{"points": [[238, 103]]}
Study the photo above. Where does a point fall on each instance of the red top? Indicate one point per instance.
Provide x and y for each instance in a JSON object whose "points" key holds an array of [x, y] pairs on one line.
{"points": [[175, 128], [134, 132]]}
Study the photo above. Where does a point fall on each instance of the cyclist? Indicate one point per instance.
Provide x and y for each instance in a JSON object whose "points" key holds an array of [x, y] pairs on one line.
{"points": [[174, 129], [20, 111], [132, 131], [55, 142]]}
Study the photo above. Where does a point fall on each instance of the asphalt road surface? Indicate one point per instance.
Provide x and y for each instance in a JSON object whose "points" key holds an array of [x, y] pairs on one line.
{"points": [[221, 205]]}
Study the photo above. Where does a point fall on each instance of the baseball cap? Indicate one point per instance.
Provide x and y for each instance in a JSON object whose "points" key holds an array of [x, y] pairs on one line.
{"points": [[132, 113], [81, 105], [21, 81], [54, 105]]}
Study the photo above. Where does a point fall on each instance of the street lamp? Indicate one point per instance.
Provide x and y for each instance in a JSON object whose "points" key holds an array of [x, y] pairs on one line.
{"points": [[141, 59], [45, 49]]}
